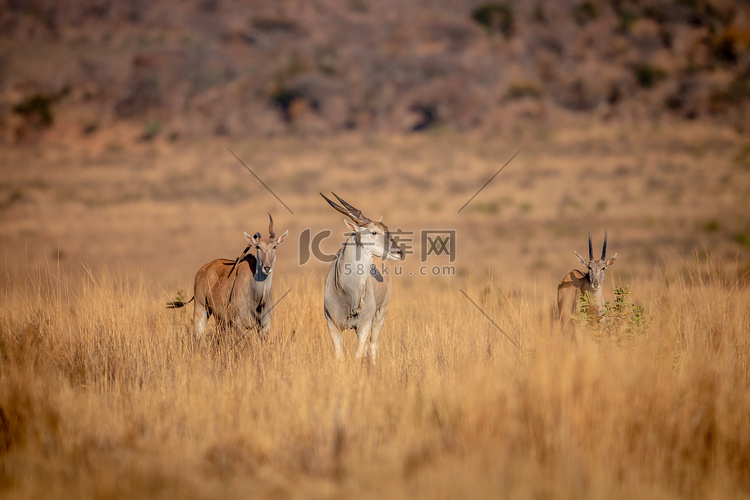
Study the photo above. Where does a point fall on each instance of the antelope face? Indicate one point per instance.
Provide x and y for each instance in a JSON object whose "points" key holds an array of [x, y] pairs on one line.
{"points": [[596, 267], [265, 249], [596, 274], [375, 238]]}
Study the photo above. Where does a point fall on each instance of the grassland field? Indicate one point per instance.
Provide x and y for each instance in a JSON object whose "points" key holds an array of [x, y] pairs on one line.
{"points": [[104, 393]]}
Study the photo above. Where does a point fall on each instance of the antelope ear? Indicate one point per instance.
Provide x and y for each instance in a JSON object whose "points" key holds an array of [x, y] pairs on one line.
{"points": [[612, 260], [583, 261], [351, 226], [282, 237], [253, 240]]}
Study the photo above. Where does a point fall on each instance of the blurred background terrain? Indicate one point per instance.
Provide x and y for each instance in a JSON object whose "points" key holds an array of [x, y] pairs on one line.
{"points": [[116, 116], [180, 70]]}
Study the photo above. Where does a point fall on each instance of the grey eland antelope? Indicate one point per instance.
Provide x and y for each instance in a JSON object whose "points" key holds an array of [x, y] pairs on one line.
{"points": [[238, 292], [357, 294]]}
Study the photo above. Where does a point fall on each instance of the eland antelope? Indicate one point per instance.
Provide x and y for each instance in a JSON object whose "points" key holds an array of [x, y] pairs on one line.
{"points": [[238, 292], [575, 283], [357, 294]]}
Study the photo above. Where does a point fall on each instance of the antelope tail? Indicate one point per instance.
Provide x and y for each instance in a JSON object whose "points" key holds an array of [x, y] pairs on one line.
{"points": [[179, 303]]}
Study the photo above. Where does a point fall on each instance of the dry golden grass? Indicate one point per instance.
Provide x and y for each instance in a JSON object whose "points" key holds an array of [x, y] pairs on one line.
{"points": [[166, 209], [104, 394]]}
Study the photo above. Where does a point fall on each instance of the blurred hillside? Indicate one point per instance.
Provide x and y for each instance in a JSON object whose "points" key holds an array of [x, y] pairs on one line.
{"points": [[174, 70]]}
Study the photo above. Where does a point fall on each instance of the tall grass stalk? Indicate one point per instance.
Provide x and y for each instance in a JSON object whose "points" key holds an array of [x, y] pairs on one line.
{"points": [[103, 392]]}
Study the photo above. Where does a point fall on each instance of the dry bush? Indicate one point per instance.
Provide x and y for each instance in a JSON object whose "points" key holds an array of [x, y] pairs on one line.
{"points": [[103, 393]]}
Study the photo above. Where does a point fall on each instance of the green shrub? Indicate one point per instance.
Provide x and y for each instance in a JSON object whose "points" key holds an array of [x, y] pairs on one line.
{"points": [[539, 15], [648, 75], [742, 239], [496, 18], [712, 226], [585, 12], [283, 98], [37, 109], [588, 314], [271, 24], [518, 90], [742, 157], [151, 129], [732, 95], [627, 18], [619, 320]]}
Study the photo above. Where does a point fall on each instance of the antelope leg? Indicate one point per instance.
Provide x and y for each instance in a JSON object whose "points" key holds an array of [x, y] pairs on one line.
{"points": [[363, 335], [337, 337]]}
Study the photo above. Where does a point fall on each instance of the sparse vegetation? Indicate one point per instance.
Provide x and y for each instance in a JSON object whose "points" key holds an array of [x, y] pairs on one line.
{"points": [[11, 196], [627, 17], [585, 12], [742, 238], [227, 64], [272, 24], [151, 129], [620, 319], [525, 89], [743, 156], [37, 109], [496, 18], [144, 94], [731, 96], [539, 14], [729, 46], [648, 75], [492, 207], [712, 226], [114, 399], [103, 394]]}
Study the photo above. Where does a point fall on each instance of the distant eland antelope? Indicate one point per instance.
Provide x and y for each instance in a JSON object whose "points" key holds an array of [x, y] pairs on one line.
{"points": [[238, 292], [576, 283], [357, 294]]}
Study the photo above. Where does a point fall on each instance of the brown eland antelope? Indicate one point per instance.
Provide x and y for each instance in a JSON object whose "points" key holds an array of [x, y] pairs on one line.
{"points": [[238, 292], [576, 283], [357, 294]]}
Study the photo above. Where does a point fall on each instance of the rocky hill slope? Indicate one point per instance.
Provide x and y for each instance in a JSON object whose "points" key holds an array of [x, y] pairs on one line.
{"points": [[181, 69]]}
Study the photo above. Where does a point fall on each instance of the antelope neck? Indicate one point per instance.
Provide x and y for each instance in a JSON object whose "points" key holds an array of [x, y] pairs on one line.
{"points": [[262, 282], [352, 276]]}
